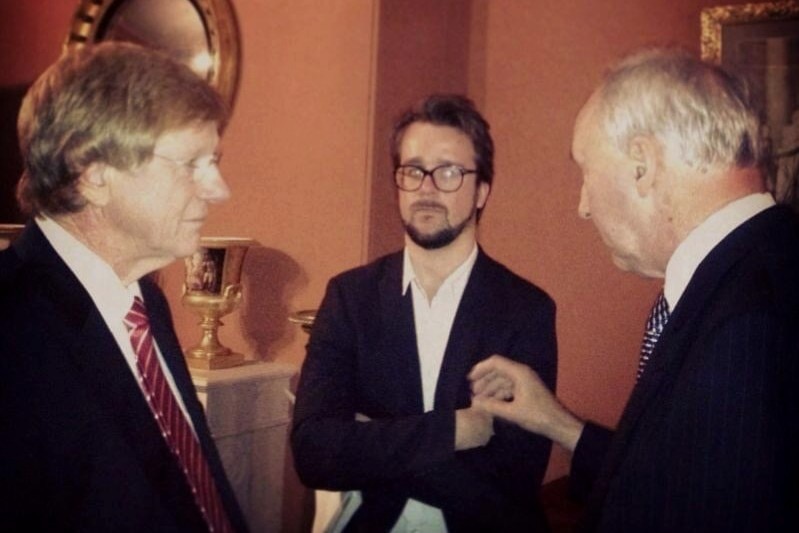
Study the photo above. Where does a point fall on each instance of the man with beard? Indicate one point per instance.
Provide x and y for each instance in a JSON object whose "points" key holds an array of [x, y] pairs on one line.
{"points": [[383, 405]]}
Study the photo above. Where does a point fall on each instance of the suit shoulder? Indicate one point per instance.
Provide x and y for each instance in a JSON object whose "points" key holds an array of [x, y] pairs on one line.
{"points": [[777, 255], [782, 245], [10, 265], [515, 286], [372, 272], [18, 283], [758, 265]]}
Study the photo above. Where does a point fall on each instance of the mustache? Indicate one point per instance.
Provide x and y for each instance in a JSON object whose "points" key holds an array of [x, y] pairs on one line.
{"points": [[427, 204]]}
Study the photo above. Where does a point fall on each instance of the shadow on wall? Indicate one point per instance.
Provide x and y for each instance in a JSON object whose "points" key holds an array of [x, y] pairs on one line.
{"points": [[10, 160], [270, 280]]}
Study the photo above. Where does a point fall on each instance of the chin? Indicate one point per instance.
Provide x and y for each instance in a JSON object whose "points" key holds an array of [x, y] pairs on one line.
{"points": [[624, 263], [629, 264]]}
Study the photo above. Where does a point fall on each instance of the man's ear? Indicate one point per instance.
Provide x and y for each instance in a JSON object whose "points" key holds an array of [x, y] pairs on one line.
{"points": [[483, 190], [93, 184], [643, 153]]}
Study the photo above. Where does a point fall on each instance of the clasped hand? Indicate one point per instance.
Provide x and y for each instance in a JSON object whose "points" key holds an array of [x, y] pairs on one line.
{"points": [[514, 392]]}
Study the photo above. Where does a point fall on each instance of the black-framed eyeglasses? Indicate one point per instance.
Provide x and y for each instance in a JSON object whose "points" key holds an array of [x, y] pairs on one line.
{"points": [[446, 178]]}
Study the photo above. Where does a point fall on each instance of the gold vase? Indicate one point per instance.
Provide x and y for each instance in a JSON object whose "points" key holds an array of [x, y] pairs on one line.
{"points": [[212, 289]]}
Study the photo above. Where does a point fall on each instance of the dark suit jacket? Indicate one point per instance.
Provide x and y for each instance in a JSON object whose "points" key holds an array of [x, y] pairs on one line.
{"points": [[362, 358], [80, 449], [709, 440]]}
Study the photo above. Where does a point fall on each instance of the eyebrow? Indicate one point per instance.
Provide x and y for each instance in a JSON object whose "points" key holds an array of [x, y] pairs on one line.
{"points": [[417, 162]]}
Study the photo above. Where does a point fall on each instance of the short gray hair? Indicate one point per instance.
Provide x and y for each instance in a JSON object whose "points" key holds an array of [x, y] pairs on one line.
{"points": [[697, 109]]}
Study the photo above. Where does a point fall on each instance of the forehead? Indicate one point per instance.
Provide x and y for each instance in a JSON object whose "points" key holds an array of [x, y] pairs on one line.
{"points": [[587, 133], [423, 139], [198, 136]]}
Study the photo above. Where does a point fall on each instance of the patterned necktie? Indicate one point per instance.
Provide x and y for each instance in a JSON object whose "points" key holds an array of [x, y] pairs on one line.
{"points": [[170, 418], [658, 317]]}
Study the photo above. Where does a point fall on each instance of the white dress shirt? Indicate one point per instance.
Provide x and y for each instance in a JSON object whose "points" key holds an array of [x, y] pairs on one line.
{"points": [[702, 239], [112, 299]]}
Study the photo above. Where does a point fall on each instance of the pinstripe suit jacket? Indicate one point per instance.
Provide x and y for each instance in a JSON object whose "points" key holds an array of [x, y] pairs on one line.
{"points": [[709, 439], [80, 449]]}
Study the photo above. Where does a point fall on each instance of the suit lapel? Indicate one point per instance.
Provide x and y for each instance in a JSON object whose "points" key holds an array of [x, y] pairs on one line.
{"points": [[108, 376], [463, 340], [398, 340]]}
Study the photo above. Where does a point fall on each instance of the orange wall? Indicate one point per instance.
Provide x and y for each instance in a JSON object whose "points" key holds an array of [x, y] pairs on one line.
{"points": [[306, 153]]}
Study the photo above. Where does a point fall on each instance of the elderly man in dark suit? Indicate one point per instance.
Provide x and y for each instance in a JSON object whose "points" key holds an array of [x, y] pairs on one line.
{"points": [[672, 154], [383, 405], [101, 427]]}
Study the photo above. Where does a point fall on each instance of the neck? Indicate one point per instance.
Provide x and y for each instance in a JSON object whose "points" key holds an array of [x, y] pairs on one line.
{"points": [[432, 267], [93, 232], [708, 194]]}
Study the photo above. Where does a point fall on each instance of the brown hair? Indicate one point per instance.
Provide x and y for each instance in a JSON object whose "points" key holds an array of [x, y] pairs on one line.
{"points": [[103, 103]]}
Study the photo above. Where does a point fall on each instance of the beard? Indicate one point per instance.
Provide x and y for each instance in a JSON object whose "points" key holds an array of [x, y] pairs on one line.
{"points": [[441, 237]]}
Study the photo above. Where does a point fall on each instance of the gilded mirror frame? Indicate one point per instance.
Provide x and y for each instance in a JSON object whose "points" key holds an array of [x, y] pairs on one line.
{"points": [[221, 33], [760, 42], [713, 19]]}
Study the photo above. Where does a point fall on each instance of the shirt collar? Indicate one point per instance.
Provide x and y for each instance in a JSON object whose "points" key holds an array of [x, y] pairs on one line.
{"points": [[456, 280], [105, 288], [702, 239]]}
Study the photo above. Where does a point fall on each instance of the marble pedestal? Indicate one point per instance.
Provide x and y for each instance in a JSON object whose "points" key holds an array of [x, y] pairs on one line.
{"points": [[248, 411]]}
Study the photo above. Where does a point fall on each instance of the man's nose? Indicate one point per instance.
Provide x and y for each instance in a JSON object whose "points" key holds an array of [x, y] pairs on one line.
{"points": [[212, 186]]}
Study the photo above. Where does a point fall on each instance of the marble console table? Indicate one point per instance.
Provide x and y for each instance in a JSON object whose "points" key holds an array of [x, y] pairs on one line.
{"points": [[248, 411]]}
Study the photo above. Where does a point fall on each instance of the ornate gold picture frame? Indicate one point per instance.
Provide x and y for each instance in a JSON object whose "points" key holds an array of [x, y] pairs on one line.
{"points": [[761, 43]]}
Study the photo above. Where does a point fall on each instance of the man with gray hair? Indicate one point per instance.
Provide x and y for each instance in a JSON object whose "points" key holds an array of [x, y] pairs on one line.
{"points": [[101, 427], [672, 156]]}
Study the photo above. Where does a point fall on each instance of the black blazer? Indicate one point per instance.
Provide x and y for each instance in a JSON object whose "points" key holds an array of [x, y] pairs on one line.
{"points": [[362, 358], [79, 447], [709, 440]]}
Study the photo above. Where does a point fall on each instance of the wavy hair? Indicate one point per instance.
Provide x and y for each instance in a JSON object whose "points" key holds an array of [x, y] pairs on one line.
{"points": [[104, 103]]}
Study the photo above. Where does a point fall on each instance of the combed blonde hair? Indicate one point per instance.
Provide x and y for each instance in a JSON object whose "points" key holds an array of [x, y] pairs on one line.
{"points": [[103, 103]]}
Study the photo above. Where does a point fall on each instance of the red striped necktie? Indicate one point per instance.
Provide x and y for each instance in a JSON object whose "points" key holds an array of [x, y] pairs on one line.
{"points": [[170, 418]]}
